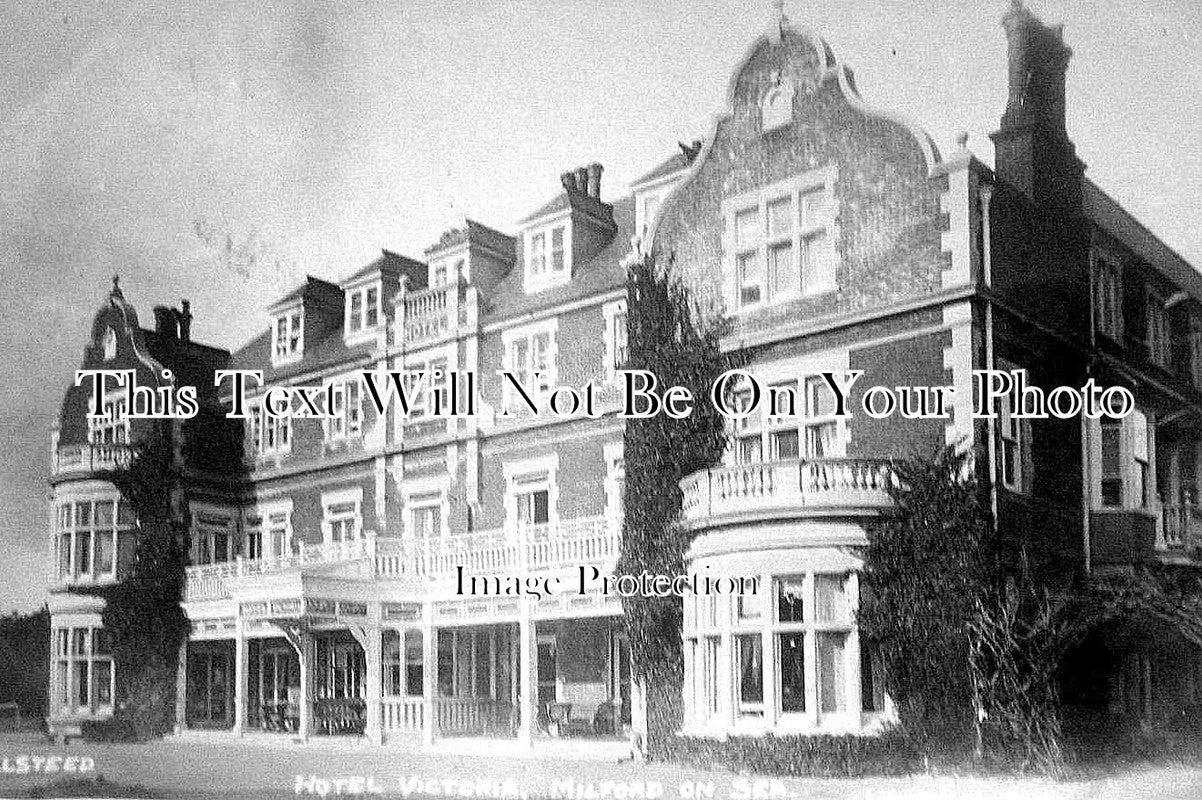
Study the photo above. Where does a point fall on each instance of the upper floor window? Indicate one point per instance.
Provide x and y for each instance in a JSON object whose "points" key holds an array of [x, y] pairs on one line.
{"points": [[1014, 445], [87, 534], [531, 491], [547, 256], [363, 310], [617, 350], [267, 530], [287, 337], [113, 426], [795, 419], [1108, 298], [779, 242], [615, 479], [1125, 477], [347, 420], [270, 435], [214, 536], [530, 355], [425, 515], [110, 344], [342, 518], [1158, 330]]}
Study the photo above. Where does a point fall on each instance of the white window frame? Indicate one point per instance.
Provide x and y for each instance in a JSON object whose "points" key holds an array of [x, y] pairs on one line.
{"points": [[617, 340], [358, 324], [348, 408], [1137, 463], [68, 659], [273, 516], [818, 278], [208, 522], [342, 497], [425, 493], [539, 251], [1014, 463], [526, 477], [261, 425], [1108, 296], [615, 479], [1157, 329], [109, 344], [69, 530], [113, 427], [291, 347], [528, 333]]}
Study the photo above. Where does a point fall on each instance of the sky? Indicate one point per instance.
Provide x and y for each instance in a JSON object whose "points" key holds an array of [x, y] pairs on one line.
{"points": [[219, 150]]}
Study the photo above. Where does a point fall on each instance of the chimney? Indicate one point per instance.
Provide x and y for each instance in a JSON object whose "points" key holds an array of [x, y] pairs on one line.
{"points": [[185, 321], [568, 179], [594, 180], [582, 179], [1032, 150], [165, 322]]}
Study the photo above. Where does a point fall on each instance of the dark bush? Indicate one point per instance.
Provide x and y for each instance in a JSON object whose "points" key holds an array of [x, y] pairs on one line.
{"points": [[803, 756]]}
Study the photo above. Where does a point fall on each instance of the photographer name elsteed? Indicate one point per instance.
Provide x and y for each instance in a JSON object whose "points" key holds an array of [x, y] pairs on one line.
{"points": [[588, 580]]}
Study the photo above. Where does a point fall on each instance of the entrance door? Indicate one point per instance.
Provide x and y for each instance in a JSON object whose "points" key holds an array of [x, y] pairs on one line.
{"points": [[210, 690]]}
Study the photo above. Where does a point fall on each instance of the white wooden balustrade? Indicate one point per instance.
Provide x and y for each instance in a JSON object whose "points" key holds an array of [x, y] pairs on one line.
{"points": [[588, 540]]}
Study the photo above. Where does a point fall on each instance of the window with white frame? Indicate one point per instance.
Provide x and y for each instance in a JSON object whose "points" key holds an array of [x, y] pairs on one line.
{"points": [[214, 535], [779, 241], [617, 350], [615, 479], [347, 411], [748, 442], [342, 519], [1125, 474], [436, 378], [794, 636], [1157, 329], [83, 668], [267, 530], [1108, 297], [426, 517], [110, 344], [530, 355], [287, 336], [1015, 466], [531, 492], [364, 310], [795, 419], [113, 426], [270, 435], [87, 538], [548, 256]]}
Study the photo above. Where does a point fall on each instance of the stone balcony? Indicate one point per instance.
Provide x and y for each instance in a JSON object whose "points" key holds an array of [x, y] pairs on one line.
{"points": [[783, 489], [567, 544], [431, 314], [81, 459]]}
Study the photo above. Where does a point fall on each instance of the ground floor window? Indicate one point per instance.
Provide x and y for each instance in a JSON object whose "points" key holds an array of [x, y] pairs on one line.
{"points": [[83, 669], [788, 658]]}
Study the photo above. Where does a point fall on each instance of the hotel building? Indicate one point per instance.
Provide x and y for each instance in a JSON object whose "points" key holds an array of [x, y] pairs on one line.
{"points": [[834, 237]]}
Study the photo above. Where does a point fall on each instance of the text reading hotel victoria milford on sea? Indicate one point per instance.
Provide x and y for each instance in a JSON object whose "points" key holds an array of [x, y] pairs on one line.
{"points": [[735, 394]]}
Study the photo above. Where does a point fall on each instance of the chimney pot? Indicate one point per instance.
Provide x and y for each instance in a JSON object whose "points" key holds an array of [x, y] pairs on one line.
{"points": [[185, 321], [165, 322], [568, 179], [594, 180], [582, 179]]}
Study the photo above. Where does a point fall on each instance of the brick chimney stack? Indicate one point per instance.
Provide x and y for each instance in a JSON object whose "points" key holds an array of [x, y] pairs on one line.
{"points": [[1032, 150]]}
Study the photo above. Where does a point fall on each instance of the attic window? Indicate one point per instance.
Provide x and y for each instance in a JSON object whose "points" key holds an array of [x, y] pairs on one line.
{"points": [[547, 256], [363, 309], [287, 336], [110, 344], [776, 111]]}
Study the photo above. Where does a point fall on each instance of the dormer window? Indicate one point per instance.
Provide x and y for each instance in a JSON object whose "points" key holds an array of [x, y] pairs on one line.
{"points": [[287, 337], [110, 344], [547, 261], [363, 311]]}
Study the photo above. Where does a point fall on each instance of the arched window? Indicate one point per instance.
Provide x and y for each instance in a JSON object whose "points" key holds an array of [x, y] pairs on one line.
{"points": [[110, 344], [776, 111]]}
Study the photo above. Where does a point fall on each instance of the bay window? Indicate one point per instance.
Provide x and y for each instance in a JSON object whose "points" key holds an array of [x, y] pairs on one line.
{"points": [[87, 535], [1124, 475], [83, 669]]}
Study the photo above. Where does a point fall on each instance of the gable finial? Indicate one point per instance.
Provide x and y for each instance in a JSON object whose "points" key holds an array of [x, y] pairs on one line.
{"points": [[779, 5], [116, 286]]}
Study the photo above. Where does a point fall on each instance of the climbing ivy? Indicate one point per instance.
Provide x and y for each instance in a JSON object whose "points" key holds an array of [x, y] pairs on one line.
{"points": [[667, 338], [142, 612]]}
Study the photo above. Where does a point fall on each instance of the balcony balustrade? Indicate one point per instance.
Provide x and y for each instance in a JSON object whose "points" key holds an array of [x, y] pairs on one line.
{"points": [[781, 488], [430, 313], [85, 458], [589, 540]]}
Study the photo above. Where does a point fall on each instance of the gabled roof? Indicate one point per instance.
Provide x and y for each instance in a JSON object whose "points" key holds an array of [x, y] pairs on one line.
{"points": [[674, 163], [311, 283], [389, 263], [578, 201]]}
